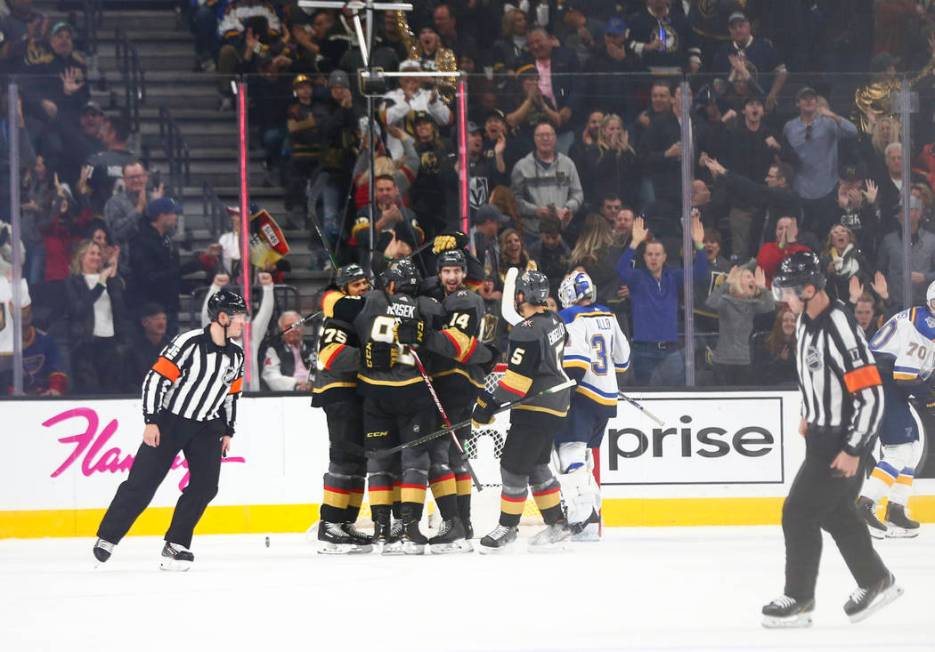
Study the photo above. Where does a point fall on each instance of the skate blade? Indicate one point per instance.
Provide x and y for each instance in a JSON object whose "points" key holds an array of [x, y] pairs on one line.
{"points": [[877, 534], [410, 548], [589, 534], [174, 565], [882, 600], [390, 549], [894, 532], [326, 548], [790, 622], [462, 546], [502, 550], [548, 548]]}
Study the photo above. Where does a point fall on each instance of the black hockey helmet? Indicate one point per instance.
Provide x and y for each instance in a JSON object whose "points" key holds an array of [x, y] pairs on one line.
{"points": [[404, 274], [798, 270], [226, 301], [349, 274], [534, 286], [451, 258]]}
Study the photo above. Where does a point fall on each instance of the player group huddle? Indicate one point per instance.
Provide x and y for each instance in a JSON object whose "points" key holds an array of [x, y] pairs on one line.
{"points": [[400, 376]]}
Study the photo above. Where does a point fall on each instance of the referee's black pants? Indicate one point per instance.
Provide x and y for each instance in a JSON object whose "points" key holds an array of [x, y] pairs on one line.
{"points": [[820, 501], [200, 441]]}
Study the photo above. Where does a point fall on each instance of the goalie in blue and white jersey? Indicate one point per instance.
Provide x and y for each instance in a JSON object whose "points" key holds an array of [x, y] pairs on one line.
{"points": [[596, 353], [905, 353]]}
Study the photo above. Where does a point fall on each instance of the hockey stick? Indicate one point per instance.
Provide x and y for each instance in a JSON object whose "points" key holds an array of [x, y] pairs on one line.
{"points": [[652, 417], [445, 420], [461, 424], [312, 193]]}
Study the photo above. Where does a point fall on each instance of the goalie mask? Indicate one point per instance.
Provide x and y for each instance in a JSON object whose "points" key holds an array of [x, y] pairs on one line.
{"points": [[534, 287], [576, 287]]}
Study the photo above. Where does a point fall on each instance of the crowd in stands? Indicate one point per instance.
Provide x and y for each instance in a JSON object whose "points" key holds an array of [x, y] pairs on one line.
{"points": [[574, 152]]}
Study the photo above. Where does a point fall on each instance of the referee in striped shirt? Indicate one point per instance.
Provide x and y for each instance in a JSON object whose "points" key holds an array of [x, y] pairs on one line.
{"points": [[189, 405], [842, 406]]}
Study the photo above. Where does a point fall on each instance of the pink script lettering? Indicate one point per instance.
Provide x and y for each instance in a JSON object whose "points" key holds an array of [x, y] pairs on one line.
{"points": [[89, 444]]}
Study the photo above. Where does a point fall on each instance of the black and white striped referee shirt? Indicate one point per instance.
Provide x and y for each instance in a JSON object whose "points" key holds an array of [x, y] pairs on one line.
{"points": [[196, 379], [838, 376]]}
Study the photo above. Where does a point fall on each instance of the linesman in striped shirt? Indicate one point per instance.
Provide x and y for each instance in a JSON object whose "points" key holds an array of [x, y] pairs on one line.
{"points": [[842, 406], [189, 405]]}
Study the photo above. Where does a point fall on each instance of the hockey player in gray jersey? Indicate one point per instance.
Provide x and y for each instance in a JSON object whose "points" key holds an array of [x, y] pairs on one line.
{"points": [[335, 392], [534, 365], [456, 380], [398, 408]]}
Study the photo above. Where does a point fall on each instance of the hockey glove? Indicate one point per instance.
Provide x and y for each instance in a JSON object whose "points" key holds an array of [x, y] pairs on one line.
{"points": [[456, 240], [494, 359], [485, 407], [380, 356], [411, 332]]}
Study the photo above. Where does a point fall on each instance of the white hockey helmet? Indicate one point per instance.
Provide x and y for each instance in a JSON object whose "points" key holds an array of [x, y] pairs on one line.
{"points": [[575, 287], [930, 298]]}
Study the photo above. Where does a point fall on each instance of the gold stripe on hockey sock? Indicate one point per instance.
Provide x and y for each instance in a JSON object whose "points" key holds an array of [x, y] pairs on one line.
{"points": [[463, 482], [335, 497], [444, 486], [396, 493], [904, 479], [512, 505], [548, 498], [412, 493], [882, 476], [380, 495], [355, 498]]}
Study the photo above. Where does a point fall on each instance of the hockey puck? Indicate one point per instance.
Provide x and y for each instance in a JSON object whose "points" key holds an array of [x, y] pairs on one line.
{"points": [[267, 542]]}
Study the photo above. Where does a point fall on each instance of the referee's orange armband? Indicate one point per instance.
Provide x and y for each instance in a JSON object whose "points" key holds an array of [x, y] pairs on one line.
{"points": [[862, 378]]}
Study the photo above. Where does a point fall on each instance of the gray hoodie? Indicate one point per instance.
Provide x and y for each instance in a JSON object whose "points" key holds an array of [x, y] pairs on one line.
{"points": [[537, 184], [735, 317]]}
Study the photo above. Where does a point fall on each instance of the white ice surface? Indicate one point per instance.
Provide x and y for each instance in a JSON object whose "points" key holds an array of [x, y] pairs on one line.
{"points": [[639, 589]]}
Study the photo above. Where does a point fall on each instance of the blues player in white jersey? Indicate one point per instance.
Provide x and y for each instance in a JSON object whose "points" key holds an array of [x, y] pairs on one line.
{"points": [[596, 353], [905, 352]]}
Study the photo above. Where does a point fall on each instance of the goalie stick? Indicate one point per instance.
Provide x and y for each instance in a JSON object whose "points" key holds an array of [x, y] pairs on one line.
{"points": [[649, 415], [445, 420], [457, 426]]}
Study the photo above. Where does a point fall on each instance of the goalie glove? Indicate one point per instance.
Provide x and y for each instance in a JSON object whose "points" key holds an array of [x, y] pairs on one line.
{"points": [[485, 407], [380, 356], [411, 332]]}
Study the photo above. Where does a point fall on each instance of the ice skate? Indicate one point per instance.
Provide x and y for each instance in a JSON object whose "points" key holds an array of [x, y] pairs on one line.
{"points": [[176, 557], [386, 537], [588, 530], [412, 541], [500, 540], [450, 539], [785, 612], [552, 538], [362, 538], [865, 601], [334, 540], [866, 508], [898, 523], [102, 551]]}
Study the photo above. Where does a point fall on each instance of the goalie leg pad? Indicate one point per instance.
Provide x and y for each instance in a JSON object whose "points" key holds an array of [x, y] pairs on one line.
{"points": [[581, 494], [571, 455]]}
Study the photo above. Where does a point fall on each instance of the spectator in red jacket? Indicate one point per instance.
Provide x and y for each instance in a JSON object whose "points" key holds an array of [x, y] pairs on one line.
{"points": [[771, 254]]}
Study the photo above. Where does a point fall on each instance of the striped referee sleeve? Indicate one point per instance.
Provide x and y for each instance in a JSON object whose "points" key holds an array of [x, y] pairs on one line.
{"points": [[229, 410], [861, 379], [165, 372]]}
